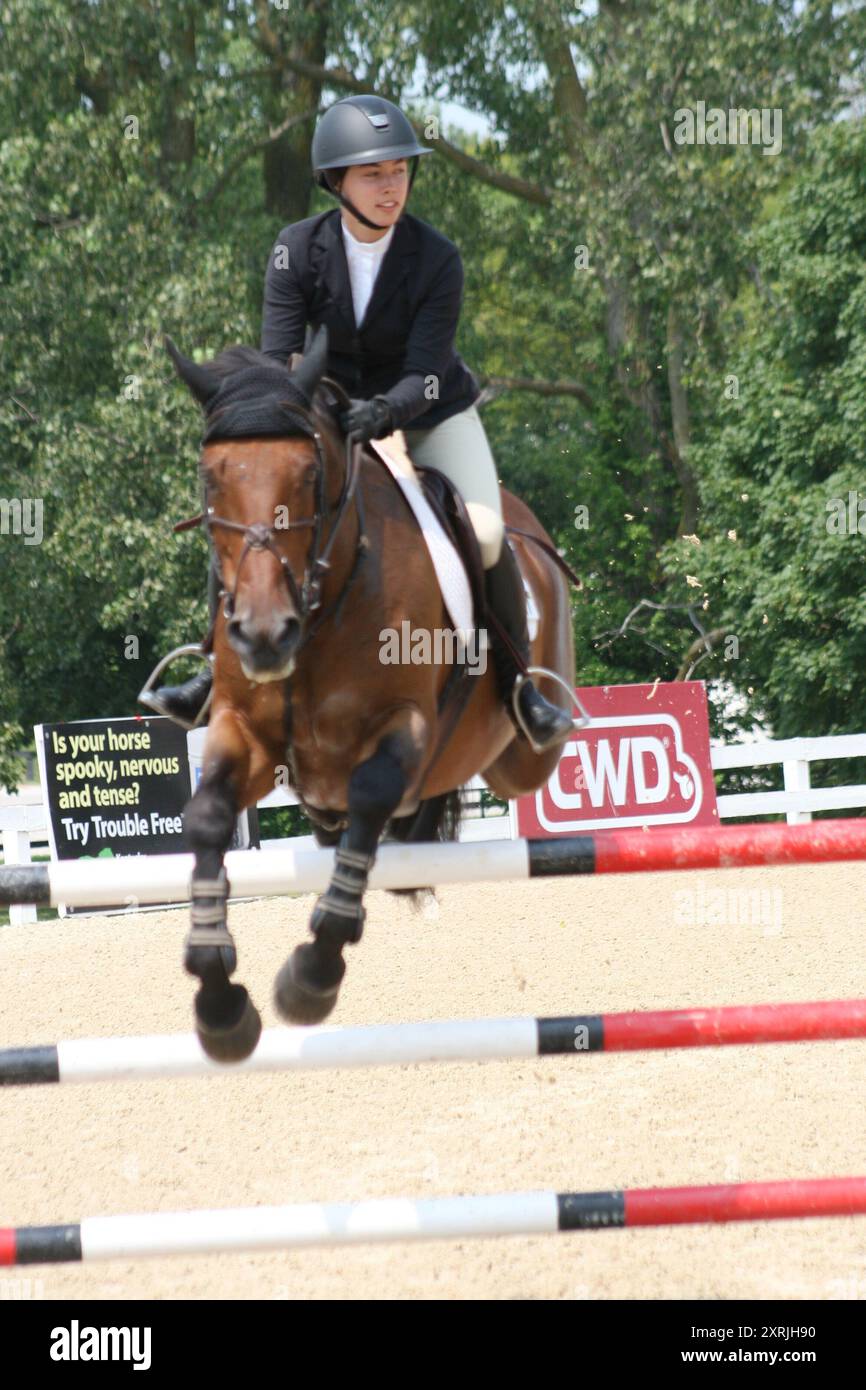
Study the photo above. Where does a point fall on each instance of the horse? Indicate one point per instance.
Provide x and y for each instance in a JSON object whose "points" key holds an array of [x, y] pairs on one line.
{"points": [[318, 554]]}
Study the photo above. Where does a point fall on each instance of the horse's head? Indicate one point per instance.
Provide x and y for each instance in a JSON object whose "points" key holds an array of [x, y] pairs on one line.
{"points": [[271, 468]]}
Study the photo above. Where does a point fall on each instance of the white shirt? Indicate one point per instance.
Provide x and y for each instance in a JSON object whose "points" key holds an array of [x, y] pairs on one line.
{"points": [[364, 259]]}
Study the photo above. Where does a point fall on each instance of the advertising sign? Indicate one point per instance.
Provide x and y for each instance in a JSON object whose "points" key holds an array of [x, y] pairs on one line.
{"points": [[644, 760], [114, 786]]}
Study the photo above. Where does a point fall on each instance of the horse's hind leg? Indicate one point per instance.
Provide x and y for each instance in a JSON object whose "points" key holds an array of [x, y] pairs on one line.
{"points": [[437, 818], [306, 988], [227, 1023]]}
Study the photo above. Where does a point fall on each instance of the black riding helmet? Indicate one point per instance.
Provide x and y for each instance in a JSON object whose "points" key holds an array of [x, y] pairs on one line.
{"points": [[362, 130]]}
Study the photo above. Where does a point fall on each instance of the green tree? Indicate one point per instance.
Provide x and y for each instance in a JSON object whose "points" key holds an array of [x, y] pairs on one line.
{"points": [[788, 452]]}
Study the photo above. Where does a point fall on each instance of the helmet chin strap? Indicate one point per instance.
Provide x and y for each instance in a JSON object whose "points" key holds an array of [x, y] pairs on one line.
{"points": [[356, 211]]}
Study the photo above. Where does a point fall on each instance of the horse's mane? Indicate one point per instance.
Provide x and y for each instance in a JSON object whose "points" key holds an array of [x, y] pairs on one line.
{"points": [[255, 396], [237, 357]]}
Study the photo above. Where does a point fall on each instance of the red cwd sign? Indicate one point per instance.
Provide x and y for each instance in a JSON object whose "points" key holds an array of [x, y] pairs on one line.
{"points": [[643, 760]]}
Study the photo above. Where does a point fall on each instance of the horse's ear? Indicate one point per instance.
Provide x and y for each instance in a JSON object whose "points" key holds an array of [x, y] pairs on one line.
{"points": [[314, 365], [202, 383]]}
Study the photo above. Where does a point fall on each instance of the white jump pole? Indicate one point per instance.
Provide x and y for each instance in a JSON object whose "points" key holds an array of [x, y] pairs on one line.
{"points": [[435, 1218], [165, 878]]}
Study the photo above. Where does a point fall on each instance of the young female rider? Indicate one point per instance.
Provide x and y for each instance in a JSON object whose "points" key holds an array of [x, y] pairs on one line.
{"points": [[389, 287]]}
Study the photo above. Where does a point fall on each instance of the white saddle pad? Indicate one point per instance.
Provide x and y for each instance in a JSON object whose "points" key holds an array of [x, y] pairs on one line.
{"points": [[450, 572], [446, 562]]}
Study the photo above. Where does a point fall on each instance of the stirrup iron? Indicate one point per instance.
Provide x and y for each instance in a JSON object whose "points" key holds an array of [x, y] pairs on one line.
{"points": [[146, 695], [580, 723]]}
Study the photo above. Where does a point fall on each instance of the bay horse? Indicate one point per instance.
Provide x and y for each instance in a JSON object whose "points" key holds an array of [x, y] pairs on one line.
{"points": [[317, 553]]}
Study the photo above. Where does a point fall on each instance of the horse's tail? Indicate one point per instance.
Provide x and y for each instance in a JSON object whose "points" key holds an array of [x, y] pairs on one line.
{"points": [[437, 818]]}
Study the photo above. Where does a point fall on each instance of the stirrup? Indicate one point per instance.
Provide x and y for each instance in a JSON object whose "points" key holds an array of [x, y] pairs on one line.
{"points": [[147, 694], [576, 724]]}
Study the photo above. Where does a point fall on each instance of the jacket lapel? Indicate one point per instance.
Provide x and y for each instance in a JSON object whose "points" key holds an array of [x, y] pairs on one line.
{"points": [[329, 264]]}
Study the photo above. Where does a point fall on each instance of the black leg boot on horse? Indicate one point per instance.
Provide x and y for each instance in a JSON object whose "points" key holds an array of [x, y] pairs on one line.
{"points": [[307, 986], [227, 1022], [185, 703], [544, 724]]}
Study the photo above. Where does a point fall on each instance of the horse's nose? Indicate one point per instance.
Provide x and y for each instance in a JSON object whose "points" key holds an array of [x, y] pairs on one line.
{"points": [[266, 647]]}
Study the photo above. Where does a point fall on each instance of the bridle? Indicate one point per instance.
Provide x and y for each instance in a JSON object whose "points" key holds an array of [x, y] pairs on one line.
{"points": [[306, 596]]}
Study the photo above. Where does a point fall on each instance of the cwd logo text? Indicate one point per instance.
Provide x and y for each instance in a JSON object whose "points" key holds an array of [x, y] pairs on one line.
{"points": [[643, 760]]}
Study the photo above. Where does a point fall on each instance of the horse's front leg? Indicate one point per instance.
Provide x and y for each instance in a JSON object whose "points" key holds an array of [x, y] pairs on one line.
{"points": [[306, 988], [227, 1023]]}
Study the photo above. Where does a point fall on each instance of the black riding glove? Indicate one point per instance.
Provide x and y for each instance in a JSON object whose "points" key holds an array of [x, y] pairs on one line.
{"points": [[368, 419]]}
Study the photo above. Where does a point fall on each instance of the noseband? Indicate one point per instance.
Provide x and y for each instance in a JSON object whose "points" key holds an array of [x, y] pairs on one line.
{"points": [[306, 595]]}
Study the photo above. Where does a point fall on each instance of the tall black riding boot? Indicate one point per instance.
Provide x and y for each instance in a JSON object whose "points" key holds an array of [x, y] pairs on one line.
{"points": [[184, 703], [546, 723]]}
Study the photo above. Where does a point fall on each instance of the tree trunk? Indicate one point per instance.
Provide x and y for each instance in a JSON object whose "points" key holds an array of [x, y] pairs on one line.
{"points": [[288, 177], [177, 145], [629, 332], [678, 454]]}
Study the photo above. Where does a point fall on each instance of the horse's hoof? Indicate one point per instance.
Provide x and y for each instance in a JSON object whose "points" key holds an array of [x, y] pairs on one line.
{"points": [[228, 1024], [306, 989]]}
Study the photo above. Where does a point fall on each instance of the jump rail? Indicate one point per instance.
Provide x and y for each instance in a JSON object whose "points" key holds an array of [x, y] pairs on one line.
{"points": [[458, 1040], [166, 878], [443, 1218]]}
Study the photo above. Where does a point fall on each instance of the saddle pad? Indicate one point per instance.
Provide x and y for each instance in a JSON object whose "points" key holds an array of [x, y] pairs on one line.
{"points": [[449, 569], [450, 572]]}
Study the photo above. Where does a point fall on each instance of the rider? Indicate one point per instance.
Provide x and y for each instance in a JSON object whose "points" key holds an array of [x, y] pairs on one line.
{"points": [[389, 287]]}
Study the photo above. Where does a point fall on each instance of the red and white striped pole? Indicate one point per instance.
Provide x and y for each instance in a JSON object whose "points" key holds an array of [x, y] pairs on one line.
{"points": [[439, 1218]]}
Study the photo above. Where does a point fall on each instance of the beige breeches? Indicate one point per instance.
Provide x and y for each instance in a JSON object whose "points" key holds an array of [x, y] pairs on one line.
{"points": [[459, 449]]}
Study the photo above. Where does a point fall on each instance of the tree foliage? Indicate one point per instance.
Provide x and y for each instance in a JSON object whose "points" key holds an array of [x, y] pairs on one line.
{"points": [[149, 154], [781, 566]]}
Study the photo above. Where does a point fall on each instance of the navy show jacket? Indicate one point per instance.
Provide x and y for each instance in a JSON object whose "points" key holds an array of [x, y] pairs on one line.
{"points": [[403, 349]]}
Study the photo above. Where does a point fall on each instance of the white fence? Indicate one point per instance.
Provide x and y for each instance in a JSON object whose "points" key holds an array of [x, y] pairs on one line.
{"points": [[799, 799], [24, 827]]}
